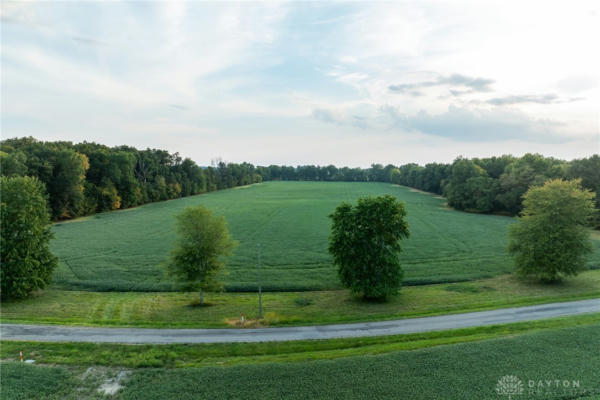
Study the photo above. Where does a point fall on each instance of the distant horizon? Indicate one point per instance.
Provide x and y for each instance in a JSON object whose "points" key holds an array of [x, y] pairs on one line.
{"points": [[322, 82]]}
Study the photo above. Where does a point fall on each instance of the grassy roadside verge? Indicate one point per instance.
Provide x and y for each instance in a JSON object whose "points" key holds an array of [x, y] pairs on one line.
{"points": [[174, 310], [227, 354]]}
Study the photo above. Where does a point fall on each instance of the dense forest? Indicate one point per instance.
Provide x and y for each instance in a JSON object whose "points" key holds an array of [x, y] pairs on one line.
{"points": [[86, 178]]}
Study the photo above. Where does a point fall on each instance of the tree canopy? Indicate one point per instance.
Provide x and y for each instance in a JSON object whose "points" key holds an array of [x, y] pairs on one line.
{"points": [[203, 240], [364, 243], [86, 178], [551, 239], [27, 263]]}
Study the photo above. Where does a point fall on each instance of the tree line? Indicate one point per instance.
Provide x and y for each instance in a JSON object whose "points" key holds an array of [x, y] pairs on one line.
{"points": [[87, 178], [483, 185], [496, 184]]}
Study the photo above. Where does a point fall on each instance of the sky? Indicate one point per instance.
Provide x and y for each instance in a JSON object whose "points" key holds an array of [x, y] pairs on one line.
{"points": [[344, 83]]}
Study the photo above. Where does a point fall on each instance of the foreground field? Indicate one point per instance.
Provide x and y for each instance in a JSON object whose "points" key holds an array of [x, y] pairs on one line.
{"points": [[565, 354], [292, 308], [126, 250]]}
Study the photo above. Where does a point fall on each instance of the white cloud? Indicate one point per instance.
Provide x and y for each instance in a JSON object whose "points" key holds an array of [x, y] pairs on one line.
{"points": [[482, 125]]}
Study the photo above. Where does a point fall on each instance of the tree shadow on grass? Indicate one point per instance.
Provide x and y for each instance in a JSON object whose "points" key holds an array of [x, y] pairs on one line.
{"points": [[361, 300], [198, 304]]}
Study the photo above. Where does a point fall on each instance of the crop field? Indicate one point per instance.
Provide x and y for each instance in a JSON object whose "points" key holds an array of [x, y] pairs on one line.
{"points": [[126, 250]]}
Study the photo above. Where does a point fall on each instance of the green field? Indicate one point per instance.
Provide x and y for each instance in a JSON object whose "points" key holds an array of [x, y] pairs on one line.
{"points": [[449, 371], [126, 250]]}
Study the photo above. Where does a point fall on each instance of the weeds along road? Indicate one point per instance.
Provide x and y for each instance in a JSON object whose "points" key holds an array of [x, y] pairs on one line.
{"points": [[54, 333]]}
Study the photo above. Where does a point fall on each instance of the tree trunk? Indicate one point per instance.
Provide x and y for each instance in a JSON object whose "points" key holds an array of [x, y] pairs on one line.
{"points": [[202, 268]]}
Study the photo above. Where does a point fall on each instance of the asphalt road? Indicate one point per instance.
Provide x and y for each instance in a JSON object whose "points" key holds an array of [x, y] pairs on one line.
{"points": [[54, 333]]}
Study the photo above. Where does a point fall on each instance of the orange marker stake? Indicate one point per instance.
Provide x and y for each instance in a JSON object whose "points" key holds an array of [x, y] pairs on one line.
{"points": [[21, 355]]}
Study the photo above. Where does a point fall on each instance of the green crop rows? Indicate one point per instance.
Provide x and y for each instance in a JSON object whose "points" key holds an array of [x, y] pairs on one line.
{"points": [[126, 250]]}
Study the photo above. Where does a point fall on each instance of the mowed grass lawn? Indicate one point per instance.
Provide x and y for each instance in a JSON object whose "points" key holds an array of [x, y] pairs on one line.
{"points": [[173, 309], [126, 250]]}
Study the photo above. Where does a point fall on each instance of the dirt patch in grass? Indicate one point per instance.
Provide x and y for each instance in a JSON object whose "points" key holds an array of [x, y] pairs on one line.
{"points": [[245, 186], [113, 384], [246, 323], [419, 191]]}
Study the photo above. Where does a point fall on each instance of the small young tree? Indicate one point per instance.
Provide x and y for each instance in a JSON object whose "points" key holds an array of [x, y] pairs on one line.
{"points": [[27, 263], [202, 241], [364, 243], [551, 239]]}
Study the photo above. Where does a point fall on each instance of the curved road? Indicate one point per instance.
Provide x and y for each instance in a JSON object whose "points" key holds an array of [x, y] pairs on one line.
{"points": [[53, 333]]}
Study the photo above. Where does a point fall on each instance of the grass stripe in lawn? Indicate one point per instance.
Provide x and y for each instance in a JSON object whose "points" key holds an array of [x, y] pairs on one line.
{"points": [[125, 250], [281, 309], [459, 371]]}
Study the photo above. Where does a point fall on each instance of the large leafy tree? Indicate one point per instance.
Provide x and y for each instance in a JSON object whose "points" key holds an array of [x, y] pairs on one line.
{"points": [[365, 244], [469, 188], [66, 187], [551, 239], [13, 164], [203, 240], [27, 263], [521, 174], [434, 176]]}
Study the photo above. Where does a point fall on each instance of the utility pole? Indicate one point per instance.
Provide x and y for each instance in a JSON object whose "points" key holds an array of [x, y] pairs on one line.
{"points": [[260, 313]]}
